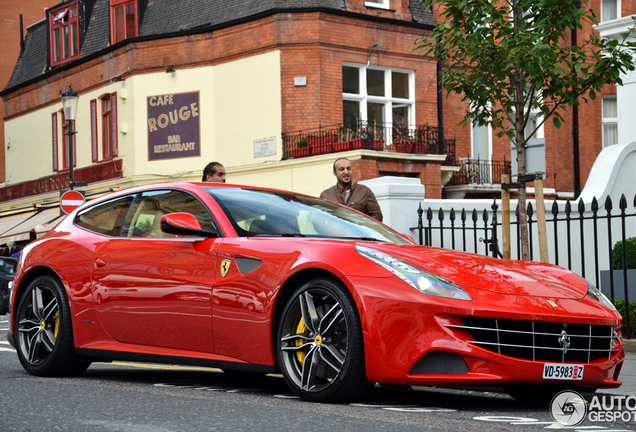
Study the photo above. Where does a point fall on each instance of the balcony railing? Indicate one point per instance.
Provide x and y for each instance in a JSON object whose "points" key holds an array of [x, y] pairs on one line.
{"points": [[478, 172], [371, 136]]}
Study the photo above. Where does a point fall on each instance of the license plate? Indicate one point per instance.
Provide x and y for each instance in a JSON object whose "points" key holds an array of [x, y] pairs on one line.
{"points": [[560, 371]]}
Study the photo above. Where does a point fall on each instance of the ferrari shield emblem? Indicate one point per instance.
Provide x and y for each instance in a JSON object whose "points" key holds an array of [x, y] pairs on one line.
{"points": [[225, 266], [552, 303]]}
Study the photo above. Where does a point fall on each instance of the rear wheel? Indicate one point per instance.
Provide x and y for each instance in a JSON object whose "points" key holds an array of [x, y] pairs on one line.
{"points": [[44, 333], [320, 346]]}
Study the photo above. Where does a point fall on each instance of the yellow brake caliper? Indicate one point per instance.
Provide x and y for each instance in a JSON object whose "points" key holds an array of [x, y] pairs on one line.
{"points": [[302, 328], [57, 324]]}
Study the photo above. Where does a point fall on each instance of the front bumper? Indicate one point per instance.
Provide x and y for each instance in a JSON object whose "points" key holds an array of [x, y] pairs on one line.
{"points": [[412, 338]]}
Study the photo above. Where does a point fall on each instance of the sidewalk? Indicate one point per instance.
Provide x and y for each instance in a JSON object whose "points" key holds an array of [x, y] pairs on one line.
{"points": [[628, 372]]}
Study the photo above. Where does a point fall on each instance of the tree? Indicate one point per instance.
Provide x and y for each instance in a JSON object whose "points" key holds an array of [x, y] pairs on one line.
{"points": [[510, 59]]}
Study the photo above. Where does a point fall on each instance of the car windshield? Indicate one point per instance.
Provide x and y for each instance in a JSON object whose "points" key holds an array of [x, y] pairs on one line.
{"points": [[271, 213], [7, 267]]}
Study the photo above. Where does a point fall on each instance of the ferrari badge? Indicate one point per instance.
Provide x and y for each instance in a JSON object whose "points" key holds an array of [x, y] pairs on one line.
{"points": [[225, 266]]}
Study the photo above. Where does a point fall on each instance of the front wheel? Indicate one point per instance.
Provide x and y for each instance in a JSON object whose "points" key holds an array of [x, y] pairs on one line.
{"points": [[44, 333], [320, 347]]}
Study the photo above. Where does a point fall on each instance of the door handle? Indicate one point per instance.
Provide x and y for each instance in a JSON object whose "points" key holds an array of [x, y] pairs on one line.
{"points": [[99, 262]]}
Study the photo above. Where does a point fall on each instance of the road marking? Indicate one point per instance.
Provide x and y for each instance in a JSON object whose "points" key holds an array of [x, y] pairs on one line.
{"points": [[7, 349]]}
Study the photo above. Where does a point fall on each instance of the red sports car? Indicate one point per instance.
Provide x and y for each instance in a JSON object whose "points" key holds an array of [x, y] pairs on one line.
{"points": [[258, 280]]}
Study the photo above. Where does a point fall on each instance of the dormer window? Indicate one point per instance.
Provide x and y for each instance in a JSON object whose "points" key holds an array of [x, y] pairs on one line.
{"points": [[64, 25], [382, 4], [123, 20]]}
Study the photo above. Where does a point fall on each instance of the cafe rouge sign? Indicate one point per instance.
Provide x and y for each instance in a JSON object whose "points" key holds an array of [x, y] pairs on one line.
{"points": [[173, 126]]}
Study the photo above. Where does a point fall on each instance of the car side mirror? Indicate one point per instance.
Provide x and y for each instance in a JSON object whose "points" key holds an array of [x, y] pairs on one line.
{"points": [[184, 223]]}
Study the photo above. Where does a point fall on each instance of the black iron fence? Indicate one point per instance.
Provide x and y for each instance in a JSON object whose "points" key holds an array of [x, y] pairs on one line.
{"points": [[423, 139], [583, 240], [480, 171]]}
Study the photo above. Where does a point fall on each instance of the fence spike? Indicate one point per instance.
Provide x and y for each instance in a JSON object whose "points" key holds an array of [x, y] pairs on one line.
{"points": [[463, 215], [475, 217], [555, 208], [608, 204], [634, 200], [429, 214], [581, 207], [530, 210], [494, 206], [595, 205], [622, 204], [484, 216], [517, 211], [568, 208], [452, 214], [440, 215], [420, 211]]}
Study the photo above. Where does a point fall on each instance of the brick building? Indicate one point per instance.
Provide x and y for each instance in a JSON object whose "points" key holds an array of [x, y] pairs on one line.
{"points": [[273, 89]]}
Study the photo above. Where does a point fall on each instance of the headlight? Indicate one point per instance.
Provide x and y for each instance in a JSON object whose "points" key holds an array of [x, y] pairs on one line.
{"points": [[592, 291], [422, 281]]}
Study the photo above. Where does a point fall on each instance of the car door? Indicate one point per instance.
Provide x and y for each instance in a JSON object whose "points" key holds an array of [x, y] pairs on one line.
{"points": [[153, 288]]}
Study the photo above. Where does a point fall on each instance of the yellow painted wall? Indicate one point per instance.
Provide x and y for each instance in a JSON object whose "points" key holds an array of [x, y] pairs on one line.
{"points": [[239, 102]]}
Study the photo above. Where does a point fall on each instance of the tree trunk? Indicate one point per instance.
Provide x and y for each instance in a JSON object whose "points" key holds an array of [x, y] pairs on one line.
{"points": [[523, 214]]}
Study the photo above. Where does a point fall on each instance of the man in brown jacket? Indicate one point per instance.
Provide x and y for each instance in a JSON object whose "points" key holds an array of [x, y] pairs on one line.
{"points": [[354, 195]]}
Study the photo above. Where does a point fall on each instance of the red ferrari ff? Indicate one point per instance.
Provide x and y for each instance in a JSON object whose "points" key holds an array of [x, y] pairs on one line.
{"points": [[256, 280]]}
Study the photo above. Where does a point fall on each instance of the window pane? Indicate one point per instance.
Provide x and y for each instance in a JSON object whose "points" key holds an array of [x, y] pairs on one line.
{"points": [[400, 115], [350, 80], [73, 12], [74, 38], [610, 134], [130, 20], [375, 113], [400, 85], [119, 24], [480, 143], [375, 82], [56, 43], [609, 107], [106, 218], [609, 10], [351, 114], [65, 41]]}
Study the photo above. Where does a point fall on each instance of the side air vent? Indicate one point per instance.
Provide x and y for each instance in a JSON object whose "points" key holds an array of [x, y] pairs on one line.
{"points": [[439, 363]]}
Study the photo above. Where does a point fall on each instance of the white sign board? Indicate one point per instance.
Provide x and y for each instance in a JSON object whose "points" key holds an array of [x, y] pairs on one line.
{"points": [[265, 147]]}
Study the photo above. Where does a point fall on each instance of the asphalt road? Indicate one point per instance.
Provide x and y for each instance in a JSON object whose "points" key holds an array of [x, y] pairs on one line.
{"points": [[158, 398]]}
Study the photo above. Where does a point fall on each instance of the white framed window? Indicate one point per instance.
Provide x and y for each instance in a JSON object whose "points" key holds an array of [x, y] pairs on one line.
{"points": [[382, 4], [610, 120], [610, 10], [377, 95]]}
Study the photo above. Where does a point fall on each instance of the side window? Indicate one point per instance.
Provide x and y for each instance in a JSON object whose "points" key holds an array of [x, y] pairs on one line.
{"points": [[144, 217], [105, 218]]}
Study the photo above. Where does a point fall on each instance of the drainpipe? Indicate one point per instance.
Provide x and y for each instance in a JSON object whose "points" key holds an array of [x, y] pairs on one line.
{"points": [[440, 105], [575, 129], [21, 36]]}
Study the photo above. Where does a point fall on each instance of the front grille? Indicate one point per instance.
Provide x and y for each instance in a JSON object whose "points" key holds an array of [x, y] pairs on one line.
{"points": [[541, 340]]}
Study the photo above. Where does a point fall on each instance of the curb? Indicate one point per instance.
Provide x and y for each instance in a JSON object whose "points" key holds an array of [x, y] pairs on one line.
{"points": [[629, 345]]}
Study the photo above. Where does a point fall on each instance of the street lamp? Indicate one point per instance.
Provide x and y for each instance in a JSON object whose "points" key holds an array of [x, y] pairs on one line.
{"points": [[69, 103]]}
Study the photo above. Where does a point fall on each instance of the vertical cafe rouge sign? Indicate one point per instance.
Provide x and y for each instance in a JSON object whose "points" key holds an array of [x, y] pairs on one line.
{"points": [[173, 126]]}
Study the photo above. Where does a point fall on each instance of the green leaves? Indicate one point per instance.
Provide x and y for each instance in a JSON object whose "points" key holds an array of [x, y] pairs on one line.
{"points": [[508, 57]]}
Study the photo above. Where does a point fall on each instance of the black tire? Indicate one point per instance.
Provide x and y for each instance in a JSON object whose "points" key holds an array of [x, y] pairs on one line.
{"points": [[322, 362], [44, 332], [3, 305]]}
